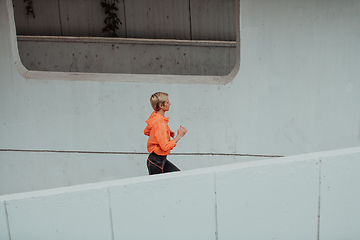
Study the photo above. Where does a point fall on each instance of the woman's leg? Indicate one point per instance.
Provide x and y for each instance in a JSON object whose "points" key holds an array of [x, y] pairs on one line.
{"points": [[153, 168], [170, 167]]}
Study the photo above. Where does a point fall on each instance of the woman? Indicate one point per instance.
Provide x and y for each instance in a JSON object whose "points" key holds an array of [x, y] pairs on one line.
{"points": [[159, 143]]}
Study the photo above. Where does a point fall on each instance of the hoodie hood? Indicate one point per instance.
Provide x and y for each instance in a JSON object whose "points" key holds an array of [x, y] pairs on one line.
{"points": [[155, 117]]}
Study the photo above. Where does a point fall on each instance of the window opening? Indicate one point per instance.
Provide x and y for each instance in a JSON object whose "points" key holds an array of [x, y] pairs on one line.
{"points": [[158, 37]]}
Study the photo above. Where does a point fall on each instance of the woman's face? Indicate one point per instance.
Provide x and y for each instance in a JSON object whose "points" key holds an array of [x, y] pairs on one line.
{"points": [[166, 105]]}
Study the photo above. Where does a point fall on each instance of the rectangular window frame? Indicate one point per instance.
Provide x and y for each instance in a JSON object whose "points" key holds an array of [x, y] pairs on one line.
{"points": [[117, 77]]}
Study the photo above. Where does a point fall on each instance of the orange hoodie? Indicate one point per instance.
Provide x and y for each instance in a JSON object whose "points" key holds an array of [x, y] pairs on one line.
{"points": [[159, 135]]}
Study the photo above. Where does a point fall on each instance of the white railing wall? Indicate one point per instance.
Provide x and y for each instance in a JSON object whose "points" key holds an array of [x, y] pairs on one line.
{"points": [[24, 171], [313, 196]]}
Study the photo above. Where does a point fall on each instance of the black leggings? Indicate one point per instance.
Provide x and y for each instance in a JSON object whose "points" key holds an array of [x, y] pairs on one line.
{"points": [[159, 164]]}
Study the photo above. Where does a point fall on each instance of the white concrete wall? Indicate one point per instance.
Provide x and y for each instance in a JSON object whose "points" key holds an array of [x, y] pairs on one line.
{"points": [[297, 91], [29, 171], [312, 196]]}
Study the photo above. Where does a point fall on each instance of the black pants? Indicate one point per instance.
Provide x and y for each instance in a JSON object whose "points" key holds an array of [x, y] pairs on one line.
{"points": [[159, 164]]}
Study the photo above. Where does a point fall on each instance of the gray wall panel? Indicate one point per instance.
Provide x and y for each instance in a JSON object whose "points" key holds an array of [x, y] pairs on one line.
{"points": [[168, 19], [46, 21], [213, 20], [86, 18], [154, 19]]}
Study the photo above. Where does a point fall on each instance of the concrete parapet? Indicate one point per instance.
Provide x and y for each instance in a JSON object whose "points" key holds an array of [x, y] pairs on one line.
{"points": [[312, 196]]}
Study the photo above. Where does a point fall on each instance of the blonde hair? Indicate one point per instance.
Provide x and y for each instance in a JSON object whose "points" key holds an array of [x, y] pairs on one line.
{"points": [[158, 99]]}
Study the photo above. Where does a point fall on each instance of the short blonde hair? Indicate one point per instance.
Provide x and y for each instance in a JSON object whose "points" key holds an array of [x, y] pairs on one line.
{"points": [[158, 99]]}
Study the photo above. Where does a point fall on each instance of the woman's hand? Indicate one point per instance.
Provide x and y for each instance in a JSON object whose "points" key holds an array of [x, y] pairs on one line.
{"points": [[180, 133]]}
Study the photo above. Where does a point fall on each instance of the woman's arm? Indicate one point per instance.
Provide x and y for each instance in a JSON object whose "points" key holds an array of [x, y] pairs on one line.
{"points": [[162, 136], [180, 133]]}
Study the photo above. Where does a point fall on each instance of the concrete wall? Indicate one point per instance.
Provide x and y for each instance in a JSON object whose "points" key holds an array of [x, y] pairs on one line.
{"points": [[134, 56], [313, 196], [32, 170], [297, 91]]}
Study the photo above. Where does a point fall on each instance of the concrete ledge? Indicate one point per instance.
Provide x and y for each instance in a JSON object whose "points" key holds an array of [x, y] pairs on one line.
{"points": [[142, 41], [127, 56]]}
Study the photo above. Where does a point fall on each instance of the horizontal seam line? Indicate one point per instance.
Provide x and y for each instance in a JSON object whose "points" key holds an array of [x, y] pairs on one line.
{"points": [[132, 153]]}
